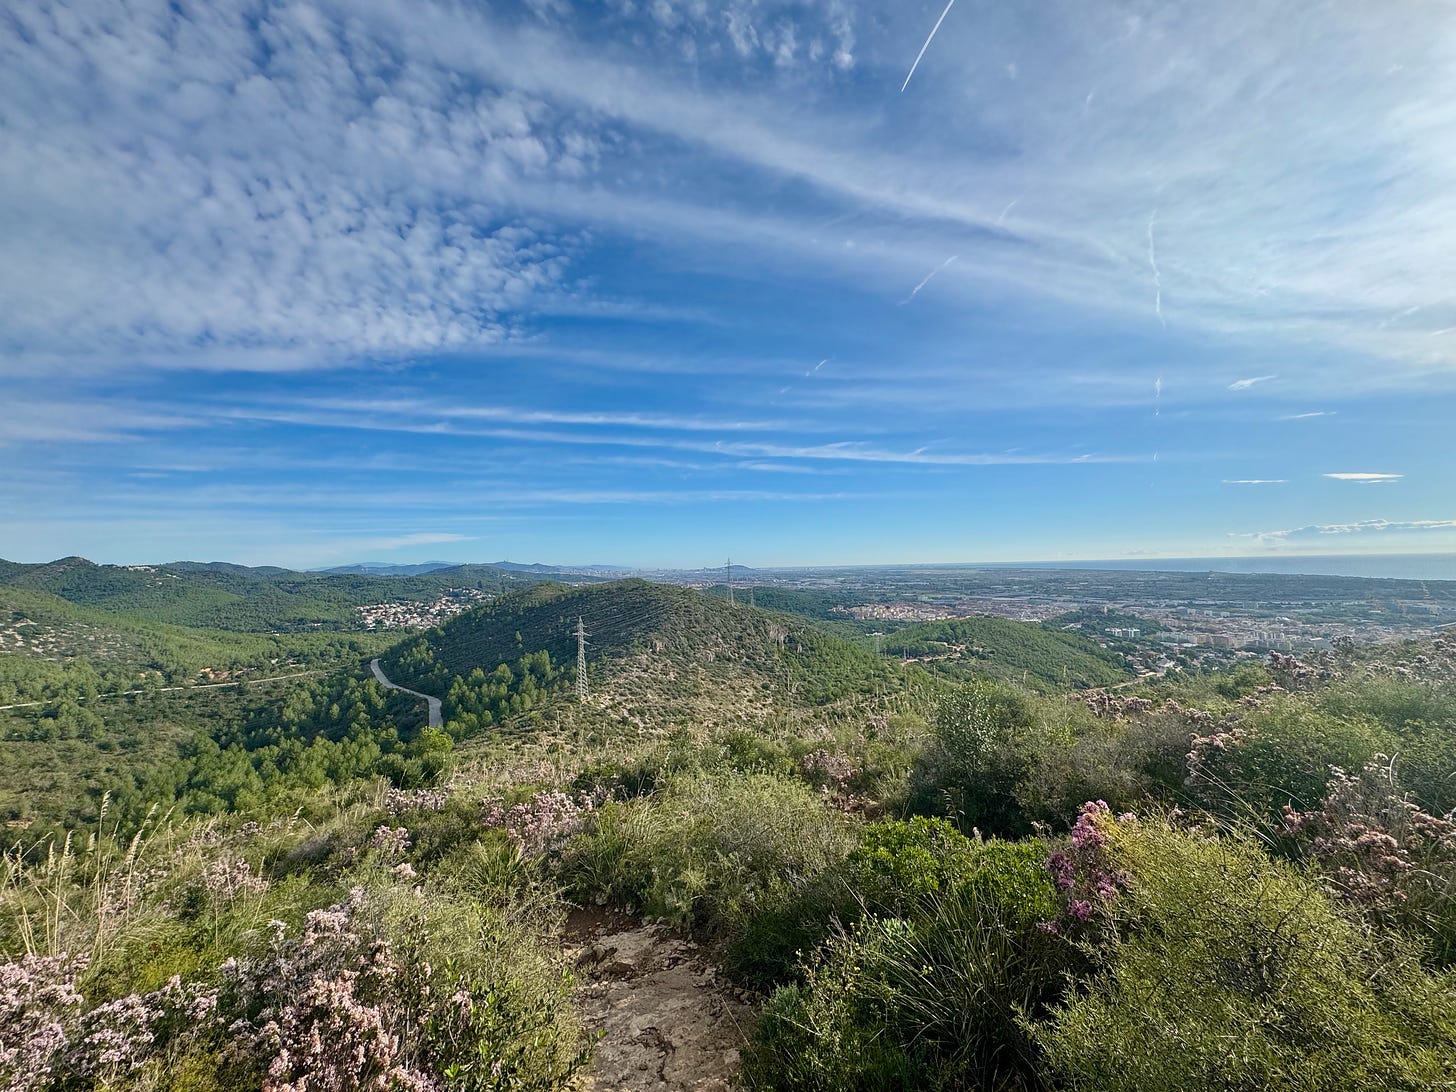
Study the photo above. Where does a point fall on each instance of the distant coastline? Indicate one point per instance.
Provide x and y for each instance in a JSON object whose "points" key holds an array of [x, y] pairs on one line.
{"points": [[1387, 566]]}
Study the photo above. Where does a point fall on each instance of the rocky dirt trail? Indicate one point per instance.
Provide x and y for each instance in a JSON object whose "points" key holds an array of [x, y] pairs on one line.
{"points": [[669, 1021]]}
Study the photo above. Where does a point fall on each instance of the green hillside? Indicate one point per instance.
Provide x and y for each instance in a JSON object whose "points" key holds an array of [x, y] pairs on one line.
{"points": [[1004, 649], [661, 642], [238, 598], [52, 649]]}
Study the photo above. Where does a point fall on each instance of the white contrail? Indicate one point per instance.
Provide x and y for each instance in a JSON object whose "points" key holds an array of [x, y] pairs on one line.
{"points": [[1158, 397], [1157, 277], [816, 367], [926, 46], [1245, 384], [916, 290], [1000, 219]]}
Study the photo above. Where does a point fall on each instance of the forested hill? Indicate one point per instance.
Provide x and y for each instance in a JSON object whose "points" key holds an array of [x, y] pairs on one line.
{"points": [[235, 597], [649, 624], [1005, 649]]}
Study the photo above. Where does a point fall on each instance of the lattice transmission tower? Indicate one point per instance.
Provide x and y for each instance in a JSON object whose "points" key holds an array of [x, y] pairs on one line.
{"points": [[581, 636]]}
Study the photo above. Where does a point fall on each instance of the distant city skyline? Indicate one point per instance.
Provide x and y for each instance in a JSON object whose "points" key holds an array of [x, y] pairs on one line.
{"points": [[802, 281]]}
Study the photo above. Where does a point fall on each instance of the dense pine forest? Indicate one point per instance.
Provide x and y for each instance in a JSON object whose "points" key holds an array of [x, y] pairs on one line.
{"points": [[979, 855]]}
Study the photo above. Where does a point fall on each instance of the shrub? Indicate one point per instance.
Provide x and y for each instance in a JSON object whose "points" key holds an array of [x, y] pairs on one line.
{"points": [[1280, 755], [709, 851], [1221, 968], [930, 1000], [896, 866], [387, 991], [1377, 850], [1422, 716], [985, 736]]}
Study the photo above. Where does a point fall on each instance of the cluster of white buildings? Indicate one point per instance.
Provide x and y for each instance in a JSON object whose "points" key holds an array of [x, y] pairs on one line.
{"points": [[421, 615]]}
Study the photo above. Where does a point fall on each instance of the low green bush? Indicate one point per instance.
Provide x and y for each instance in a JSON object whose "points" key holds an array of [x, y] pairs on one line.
{"points": [[896, 866], [984, 738], [1221, 968], [709, 851], [933, 999], [1280, 754]]}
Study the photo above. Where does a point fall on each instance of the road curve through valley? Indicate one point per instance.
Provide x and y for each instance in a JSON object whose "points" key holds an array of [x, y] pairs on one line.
{"points": [[384, 682]]}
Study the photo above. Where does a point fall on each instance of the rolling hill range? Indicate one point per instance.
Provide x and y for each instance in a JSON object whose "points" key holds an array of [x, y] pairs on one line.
{"points": [[660, 655], [234, 597]]}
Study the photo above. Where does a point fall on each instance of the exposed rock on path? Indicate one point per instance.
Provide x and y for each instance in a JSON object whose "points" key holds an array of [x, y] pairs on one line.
{"points": [[669, 1022]]}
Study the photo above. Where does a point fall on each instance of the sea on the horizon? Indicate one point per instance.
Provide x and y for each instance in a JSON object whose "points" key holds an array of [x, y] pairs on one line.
{"points": [[1388, 566]]}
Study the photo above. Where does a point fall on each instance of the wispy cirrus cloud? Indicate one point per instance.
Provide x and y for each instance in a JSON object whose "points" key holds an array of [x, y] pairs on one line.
{"points": [[1365, 477], [403, 417], [32, 418], [373, 178], [1316, 531], [596, 248]]}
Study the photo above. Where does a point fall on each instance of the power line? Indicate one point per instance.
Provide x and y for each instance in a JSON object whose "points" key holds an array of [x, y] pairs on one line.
{"points": [[729, 567]]}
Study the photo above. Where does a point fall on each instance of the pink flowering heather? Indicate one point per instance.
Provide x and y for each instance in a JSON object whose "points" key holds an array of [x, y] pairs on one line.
{"points": [[116, 1038], [322, 1010], [401, 801], [543, 822], [1374, 845], [231, 879], [1081, 871], [328, 1039], [342, 1007], [390, 842], [1204, 757], [39, 1001], [1292, 673], [47, 1036]]}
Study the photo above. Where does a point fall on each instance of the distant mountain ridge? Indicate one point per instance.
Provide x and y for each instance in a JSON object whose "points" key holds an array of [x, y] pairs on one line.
{"points": [[385, 568], [224, 596]]}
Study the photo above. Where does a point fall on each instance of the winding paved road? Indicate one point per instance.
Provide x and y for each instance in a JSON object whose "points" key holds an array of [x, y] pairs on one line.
{"points": [[384, 682]]}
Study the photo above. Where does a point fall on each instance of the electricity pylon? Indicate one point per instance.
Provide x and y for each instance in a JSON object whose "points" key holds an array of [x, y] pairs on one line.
{"points": [[581, 636]]}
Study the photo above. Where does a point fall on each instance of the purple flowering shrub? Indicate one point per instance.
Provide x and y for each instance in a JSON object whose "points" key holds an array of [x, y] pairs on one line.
{"points": [[177, 979], [322, 1010], [1083, 872], [403, 801], [543, 822], [39, 1009]]}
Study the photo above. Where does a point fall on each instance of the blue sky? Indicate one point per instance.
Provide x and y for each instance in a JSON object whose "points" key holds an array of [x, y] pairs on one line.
{"points": [[656, 282]]}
